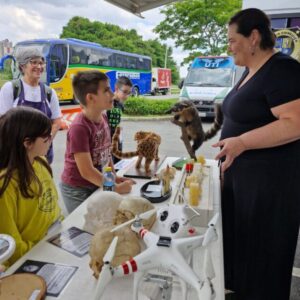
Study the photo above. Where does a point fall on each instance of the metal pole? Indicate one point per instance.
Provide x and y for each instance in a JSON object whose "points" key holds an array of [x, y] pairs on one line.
{"points": [[166, 56]]}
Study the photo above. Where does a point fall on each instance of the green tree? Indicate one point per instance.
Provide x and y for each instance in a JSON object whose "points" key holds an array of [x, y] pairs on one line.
{"points": [[113, 36], [198, 26]]}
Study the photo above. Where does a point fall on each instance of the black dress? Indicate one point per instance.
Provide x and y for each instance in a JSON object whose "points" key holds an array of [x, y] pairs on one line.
{"points": [[261, 192]]}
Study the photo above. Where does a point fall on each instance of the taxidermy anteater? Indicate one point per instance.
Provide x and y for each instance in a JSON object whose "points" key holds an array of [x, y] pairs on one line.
{"points": [[187, 117]]}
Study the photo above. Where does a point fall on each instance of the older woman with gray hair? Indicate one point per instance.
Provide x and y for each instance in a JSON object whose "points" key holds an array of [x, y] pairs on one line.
{"points": [[30, 91]]}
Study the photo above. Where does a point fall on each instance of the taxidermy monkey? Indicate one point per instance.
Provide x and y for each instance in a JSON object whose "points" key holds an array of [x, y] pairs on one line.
{"points": [[187, 117]]}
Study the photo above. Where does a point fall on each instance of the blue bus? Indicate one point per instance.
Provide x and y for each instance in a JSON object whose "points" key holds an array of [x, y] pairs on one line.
{"points": [[65, 57]]}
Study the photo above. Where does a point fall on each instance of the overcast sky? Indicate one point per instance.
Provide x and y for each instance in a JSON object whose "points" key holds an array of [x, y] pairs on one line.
{"points": [[21, 20]]}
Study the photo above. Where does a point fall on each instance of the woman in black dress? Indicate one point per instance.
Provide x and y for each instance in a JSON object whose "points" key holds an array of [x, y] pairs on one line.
{"points": [[260, 153]]}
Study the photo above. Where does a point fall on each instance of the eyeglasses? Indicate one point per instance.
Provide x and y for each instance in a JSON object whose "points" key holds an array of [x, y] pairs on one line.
{"points": [[125, 92], [36, 63]]}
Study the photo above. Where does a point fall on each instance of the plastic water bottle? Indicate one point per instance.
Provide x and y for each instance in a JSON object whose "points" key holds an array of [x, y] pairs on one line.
{"points": [[108, 179]]}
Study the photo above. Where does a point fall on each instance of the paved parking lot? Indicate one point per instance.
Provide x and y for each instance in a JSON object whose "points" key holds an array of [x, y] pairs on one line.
{"points": [[171, 146]]}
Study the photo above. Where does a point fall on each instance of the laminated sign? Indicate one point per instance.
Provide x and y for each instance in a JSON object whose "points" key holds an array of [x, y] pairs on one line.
{"points": [[288, 41]]}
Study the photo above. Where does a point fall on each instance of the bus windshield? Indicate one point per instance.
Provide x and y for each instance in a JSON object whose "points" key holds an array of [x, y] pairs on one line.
{"points": [[218, 77]]}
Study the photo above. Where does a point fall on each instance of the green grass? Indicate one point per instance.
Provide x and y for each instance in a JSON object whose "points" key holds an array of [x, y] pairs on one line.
{"points": [[4, 78], [5, 75]]}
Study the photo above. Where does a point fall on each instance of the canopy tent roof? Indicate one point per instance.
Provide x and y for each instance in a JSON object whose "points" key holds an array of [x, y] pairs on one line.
{"points": [[138, 6]]}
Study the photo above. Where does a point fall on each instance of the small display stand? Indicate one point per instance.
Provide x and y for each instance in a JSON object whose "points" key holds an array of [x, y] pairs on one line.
{"points": [[153, 191], [205, 207], [133, 172]]}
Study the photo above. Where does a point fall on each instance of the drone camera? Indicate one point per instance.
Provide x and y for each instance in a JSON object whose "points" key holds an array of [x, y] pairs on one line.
{"points": [[174, 227], [164, 215], [164, 241]]}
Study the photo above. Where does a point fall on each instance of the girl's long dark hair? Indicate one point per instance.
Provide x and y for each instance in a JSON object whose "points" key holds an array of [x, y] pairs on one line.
{"points": [[16, 125]]}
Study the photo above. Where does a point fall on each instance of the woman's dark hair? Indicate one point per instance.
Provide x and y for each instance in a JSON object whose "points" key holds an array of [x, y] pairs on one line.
{"points": [[253, 18], [16, 125]]}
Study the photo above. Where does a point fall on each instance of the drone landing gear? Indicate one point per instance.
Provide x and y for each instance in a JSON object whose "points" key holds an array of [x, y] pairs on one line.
{"points": [[165, 285]]}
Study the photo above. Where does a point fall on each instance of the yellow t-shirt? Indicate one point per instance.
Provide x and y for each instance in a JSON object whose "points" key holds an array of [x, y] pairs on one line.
{"points": [[27, 220]]}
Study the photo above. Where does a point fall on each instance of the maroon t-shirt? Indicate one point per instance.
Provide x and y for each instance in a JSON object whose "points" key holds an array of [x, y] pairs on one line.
{"points": [[86, 136]]}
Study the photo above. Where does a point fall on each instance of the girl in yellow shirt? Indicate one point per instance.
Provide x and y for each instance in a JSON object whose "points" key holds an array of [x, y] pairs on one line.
{"points": [[28, 197]]}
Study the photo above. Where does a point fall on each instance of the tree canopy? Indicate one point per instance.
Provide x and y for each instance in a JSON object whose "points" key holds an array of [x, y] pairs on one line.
{"points": [[113, 36], [198, 26]]}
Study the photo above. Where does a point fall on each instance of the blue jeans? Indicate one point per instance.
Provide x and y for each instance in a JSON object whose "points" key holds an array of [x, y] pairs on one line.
{"points": [[74, 196]]}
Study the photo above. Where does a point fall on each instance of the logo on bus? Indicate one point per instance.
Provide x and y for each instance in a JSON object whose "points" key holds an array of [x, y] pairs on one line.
{"points": [[131, 75]]}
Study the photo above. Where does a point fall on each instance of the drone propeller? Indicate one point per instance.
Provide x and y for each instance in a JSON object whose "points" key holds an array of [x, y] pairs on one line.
{"points": [[209, 269], [106, 272], [144, 216], [210, 233], [207, 291]]}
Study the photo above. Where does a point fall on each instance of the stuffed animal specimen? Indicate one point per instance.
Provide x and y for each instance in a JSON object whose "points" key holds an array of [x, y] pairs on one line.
{"points": [[187, 117], [147, 147]]}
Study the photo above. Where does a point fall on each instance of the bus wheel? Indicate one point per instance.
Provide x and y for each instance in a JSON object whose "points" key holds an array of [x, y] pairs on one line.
{"points": [[135, 92]]}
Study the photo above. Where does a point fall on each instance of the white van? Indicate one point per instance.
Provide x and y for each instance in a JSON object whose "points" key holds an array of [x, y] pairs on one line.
{"points": [[209, 80]]}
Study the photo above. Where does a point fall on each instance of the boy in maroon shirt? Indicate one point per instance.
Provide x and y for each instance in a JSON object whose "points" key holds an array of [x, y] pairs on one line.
{"points": [[89, 141]]}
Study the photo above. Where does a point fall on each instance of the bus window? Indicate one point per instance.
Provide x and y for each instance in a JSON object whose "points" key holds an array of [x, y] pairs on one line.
{"points": [[80, 52], [93, 58], [140, 63], [119, 61], [144, 64], [111, 60], [58, 62], [104, 58], [131, 62]]}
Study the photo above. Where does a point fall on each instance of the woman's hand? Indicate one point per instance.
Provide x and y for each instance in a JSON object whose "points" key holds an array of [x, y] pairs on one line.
{"points": [[231, 148], [124, 187]]}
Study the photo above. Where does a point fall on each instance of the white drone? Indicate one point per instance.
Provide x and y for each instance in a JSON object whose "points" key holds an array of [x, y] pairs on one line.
{"points": [[162, 252]]}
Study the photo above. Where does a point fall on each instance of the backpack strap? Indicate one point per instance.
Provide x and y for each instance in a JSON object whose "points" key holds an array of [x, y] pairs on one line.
{"points": [[48, 92], [16, 83]]}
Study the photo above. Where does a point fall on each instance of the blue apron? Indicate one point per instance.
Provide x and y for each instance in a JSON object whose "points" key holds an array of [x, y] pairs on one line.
{"points": [[42, 106]]}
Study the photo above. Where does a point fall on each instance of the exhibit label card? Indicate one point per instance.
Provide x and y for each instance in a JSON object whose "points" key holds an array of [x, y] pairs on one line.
{"points": [[73, 240], [56, 275]]}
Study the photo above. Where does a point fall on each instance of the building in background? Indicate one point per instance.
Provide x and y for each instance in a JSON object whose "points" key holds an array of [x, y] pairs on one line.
{"points": [[285, 21], [6, 47], [283, 13]]}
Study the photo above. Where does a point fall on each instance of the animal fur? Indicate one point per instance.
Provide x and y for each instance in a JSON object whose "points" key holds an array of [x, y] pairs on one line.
{"points": [[147, 147], [186, 115]]}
